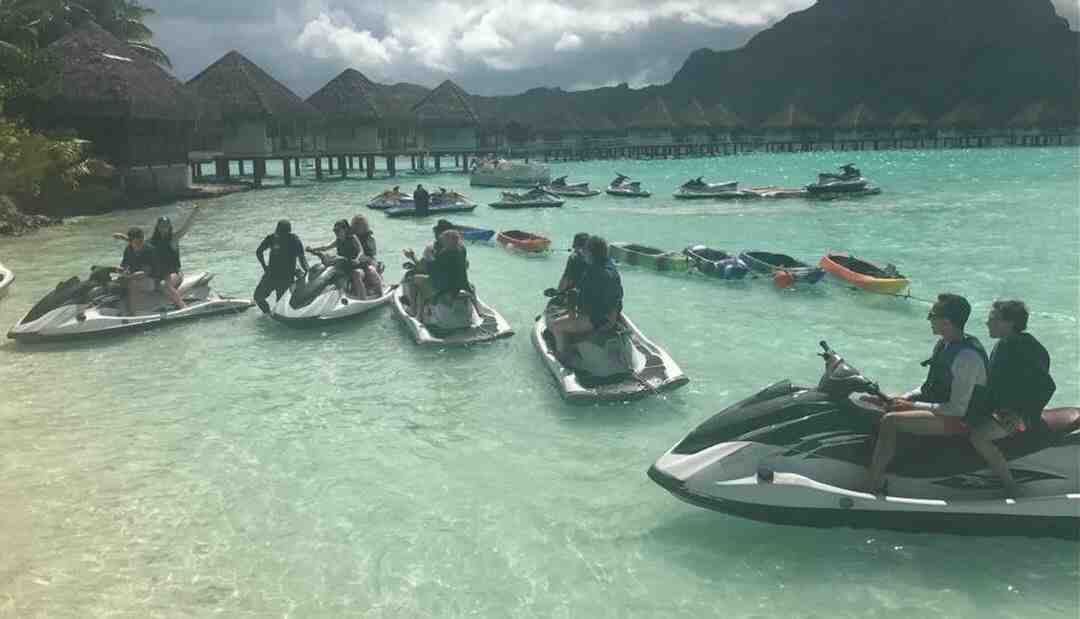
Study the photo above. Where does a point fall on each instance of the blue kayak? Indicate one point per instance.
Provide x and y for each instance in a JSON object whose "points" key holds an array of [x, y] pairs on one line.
{"points": [[474, 234]]}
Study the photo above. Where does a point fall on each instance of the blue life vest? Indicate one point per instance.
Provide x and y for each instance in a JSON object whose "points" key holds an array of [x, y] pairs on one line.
{"points": [[938, 385]]}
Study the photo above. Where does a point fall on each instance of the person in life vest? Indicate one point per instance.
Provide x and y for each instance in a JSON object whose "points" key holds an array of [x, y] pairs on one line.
{"points": [[958, 364]]}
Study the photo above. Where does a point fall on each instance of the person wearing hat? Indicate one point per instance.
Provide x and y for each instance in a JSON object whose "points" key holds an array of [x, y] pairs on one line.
{"points": [[285, 251]]}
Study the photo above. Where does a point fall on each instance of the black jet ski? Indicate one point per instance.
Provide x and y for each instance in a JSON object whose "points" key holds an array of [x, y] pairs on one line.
{"points": [[798, 456]]}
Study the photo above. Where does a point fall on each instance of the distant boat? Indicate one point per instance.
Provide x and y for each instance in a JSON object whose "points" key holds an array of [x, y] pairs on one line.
{"points": [[502, 173], [523, 241]]}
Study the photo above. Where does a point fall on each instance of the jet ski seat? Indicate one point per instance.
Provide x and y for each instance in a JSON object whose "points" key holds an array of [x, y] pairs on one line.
{"points": [[1062, 420]]}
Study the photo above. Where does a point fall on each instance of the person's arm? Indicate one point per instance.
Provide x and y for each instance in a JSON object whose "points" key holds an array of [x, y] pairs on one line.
{"points": [[120, 236], [968, 371], [185, 227], [265, 245], [329, 245], [299, 249]]}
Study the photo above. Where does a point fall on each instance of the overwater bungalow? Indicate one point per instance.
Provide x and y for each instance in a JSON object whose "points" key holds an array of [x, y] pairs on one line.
{"points": [[651, 125], [911, 124], [1040, 119], [398, 129], [491, 130], [447, 119], [247, 113], [350, 116], [693, 125], [791, 124], [859, 123], [134, 114], [601, 131], [559, 128], [725, 125], [965, 120]]}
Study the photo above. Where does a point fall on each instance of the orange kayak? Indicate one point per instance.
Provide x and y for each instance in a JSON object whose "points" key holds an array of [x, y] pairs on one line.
{"points": [[864, 274], [523, 241]]}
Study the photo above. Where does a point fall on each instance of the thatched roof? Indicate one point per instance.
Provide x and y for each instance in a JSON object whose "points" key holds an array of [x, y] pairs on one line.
{"points": [[236, 88], [791, 117], [722, 118], [558, 121], [965, 115], [693, 116], [446, 106], [101, 76], [858, 117], [1043, 114], [490, 111], [655, 115], [910, 118], [395, 102], [597, 122], [350, 96]]}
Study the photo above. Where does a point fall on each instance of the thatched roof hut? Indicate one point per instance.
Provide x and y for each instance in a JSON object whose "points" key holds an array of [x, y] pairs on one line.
{"points": [[234, 88], [446, 106], [1043, 114], [395, 103], [966, 115], [791, 117], [349, 97], [910, 118], [102, 77], [655, 115], [858, 117], [720, 117], [693, 116], [557, 121]]}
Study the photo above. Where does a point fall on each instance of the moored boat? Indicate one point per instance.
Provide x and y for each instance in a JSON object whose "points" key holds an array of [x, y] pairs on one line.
{"points": [[624, 187], [503, 173], [560, 187], [849, 182], [716, 263], [618, 364], [534, 198], [864, 274], [469, 233], [6, 279], [697, 189], [650, 257], [784, 269], [523, 241]]}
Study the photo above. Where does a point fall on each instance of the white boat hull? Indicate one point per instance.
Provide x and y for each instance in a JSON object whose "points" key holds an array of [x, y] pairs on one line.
{"points": [[489, 325], [330, 306]]}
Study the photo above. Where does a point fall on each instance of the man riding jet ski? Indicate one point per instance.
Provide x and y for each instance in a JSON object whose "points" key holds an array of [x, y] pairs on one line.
{"points": [[792, 455], [98, 305]]}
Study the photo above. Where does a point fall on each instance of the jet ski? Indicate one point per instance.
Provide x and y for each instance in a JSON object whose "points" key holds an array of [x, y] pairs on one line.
{"points": [[324, 296], [533, 198], [6, 279], [618, 364], [391, 198], [560, 187], [797, 455], [95, 306], [458, 321], [622, 186], [849, 182], [697, 189]]}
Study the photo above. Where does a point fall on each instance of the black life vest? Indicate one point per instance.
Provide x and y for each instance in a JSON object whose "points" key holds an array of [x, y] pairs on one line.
{"points": [[938, 385]]}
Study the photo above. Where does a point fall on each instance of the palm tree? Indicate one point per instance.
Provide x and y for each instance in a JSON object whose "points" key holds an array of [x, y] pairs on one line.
{"points": [[124, 19]]}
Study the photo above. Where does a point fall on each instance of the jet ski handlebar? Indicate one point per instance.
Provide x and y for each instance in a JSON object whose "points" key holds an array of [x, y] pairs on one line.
{"points": [[841, 379]]}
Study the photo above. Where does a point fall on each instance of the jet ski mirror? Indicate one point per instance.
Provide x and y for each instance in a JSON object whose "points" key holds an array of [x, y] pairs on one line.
{"points": [[841, 379]]}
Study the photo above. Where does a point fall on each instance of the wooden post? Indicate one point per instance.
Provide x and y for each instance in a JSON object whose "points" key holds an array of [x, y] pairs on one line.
{"points": [[318, 168], [412, 162], [222, 167], [391, 165], [296, 167], [240, 164], [258, 170], [288, 171], [342, 165], [438, 163], [370, 166]]}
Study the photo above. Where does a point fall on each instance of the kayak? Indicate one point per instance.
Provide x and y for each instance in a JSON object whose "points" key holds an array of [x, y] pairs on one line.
{"points": [[476, 235], [864, 274], [523, 241], [461, 321], [777, 265], [6, 278], [434, 209], [651, 257], [621, 364], [716, 263]]}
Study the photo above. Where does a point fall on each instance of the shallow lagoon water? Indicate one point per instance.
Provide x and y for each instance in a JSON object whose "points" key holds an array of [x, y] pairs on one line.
{"points": [[236, 467]]}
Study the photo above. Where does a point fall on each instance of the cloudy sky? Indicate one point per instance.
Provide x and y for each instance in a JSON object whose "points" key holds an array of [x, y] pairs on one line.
{"points": [[486, 46]]}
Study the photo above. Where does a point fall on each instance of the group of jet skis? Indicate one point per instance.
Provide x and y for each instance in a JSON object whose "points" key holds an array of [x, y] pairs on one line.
{"points": [[787, 454]]}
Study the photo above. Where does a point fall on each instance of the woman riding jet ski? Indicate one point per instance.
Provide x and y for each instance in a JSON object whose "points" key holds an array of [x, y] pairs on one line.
{"points": [[97, 305], [326, 296], [791, 455]]}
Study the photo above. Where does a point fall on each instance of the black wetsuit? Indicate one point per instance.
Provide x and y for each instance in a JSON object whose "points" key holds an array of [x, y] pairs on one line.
{"points": [[142, 259], [421, 200], [449, 272], [1018, 381], [601, 293], [166, 257], [278, 276]]}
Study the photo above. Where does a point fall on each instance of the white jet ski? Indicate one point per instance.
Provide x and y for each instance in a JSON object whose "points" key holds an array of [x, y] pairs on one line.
{"points": [[620, 364], [697, 189], [798, 456], [624, 187], [324, 296], [849, 182], [458, 321], [391, 198], [6, 279], [560, 187], [78, 308]]}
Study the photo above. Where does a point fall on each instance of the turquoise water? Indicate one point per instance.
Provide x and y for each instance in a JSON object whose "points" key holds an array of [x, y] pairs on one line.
{"points": [[232, 466]]}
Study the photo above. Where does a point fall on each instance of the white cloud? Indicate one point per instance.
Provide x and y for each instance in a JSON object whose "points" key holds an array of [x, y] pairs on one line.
{"points": [[325, 37], [568, 41]]}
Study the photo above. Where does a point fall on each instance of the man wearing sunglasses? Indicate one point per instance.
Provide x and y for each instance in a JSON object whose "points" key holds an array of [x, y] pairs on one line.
{"points": [[957, 365]]}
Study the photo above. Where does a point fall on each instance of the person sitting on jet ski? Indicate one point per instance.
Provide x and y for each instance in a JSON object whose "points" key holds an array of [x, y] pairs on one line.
{"points": [[285, 251], [695, 182], [575, 264], [165, 244], [957, 366], [447, 274], [348, 247], [559, 182], [1018, 387], [600, 296], [849, 171], [360, 227], [138, 265]]}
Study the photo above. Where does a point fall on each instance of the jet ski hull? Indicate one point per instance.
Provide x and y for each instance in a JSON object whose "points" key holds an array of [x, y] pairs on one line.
{"points": [[331, 306], [550, 203], [657, 372], [384, 201], [6, 279], [492, 326], [434, 209], [627, 193]]}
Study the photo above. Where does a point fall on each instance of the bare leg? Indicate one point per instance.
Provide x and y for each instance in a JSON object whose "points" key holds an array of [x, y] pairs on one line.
{"points": [[373, 280], [914, 422], [562, 329], [982, 442], [172, 282], [133, 294], [359, 291]]}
